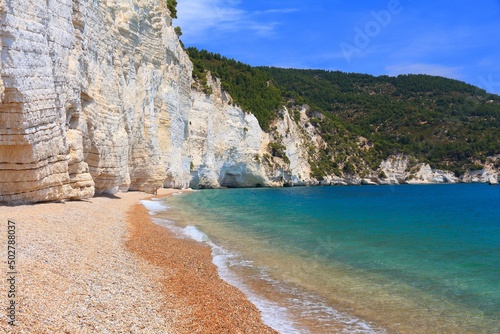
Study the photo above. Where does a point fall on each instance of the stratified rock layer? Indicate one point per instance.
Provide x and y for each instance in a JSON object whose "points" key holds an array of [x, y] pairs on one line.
{"points": [[229, 149], [95, 96]]}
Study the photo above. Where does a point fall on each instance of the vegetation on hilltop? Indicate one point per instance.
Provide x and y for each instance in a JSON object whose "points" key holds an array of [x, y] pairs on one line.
{"points": [[445, 122], [442, 121], [172, 7], [250, 87]]}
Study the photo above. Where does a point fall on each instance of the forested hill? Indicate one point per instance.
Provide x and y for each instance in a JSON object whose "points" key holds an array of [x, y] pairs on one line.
{"points": [[447, 123], [439, 120]]}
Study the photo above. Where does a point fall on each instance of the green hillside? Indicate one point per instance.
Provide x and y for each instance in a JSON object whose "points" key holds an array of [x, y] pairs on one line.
{"points": [[249, 87], [447, 123]]}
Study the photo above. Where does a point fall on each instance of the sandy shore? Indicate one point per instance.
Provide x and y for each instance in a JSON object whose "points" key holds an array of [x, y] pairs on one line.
{"points": [[102, 266]]}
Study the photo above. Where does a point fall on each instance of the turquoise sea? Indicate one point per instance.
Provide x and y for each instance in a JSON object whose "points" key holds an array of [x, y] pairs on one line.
{"points": [[381, 259]]}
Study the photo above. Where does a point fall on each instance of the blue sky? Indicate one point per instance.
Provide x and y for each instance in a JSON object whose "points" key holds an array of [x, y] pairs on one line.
{"points": [[457, 39]]}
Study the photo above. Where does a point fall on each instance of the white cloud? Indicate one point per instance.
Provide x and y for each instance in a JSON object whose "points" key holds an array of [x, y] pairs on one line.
{"points": [[421, 68], [278, 11], [199, 18]]}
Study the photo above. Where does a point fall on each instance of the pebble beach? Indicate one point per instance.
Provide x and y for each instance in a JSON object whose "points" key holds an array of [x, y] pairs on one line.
{"points": [[102, 266]]}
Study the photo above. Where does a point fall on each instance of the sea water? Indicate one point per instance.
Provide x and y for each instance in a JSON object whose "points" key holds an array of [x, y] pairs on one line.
{"points": [[385, 259]]}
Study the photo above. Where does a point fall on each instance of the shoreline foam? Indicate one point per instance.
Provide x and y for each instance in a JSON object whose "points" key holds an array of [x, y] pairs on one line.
{"points": [[283, 316], [272, 314], [190, 278]]}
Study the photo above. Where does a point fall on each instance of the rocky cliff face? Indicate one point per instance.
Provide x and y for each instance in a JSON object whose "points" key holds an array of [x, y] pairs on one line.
{"points": [[401, 169], [229, 149], [223, 142], [489, 173], [95, 96]]}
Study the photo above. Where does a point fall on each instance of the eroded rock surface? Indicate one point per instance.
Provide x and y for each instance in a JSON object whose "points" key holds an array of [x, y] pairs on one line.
{"points": [[229, 149], [95, 97]]}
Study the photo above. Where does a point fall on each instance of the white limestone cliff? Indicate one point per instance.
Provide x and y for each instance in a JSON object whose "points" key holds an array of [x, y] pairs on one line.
{"points": [[488, 174], [395, 169], [95, 97], [229, 149], [401, 169], [295, 140], [426, 175], [223, 142]]}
